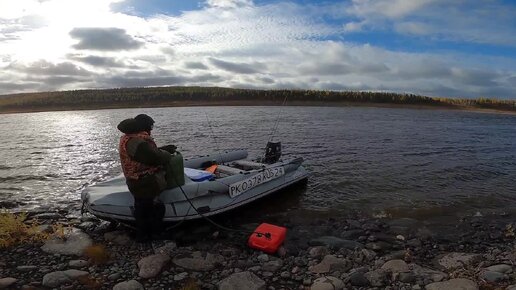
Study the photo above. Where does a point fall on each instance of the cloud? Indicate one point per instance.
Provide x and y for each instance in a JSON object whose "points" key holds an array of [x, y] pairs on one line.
{"points": [[112, 39], [195, 65], [387, 8], [155, 78], [43, 67], [229, 3], [98, 61], [459, 21], [242, 68]]}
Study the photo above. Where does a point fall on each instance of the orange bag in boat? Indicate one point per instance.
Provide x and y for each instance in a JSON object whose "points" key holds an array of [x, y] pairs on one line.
{"points": [[267, 238], [212, 168]]}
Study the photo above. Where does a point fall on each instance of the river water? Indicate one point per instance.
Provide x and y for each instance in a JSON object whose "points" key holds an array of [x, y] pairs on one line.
{"points": [[379, 161]]}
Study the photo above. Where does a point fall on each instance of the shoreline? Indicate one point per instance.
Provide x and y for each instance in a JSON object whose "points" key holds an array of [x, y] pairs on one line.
{"points": [[353, 252], [260, 103]]}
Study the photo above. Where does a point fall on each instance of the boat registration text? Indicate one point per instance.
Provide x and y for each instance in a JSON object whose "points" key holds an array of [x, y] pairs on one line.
{"points": [[242, 186]]}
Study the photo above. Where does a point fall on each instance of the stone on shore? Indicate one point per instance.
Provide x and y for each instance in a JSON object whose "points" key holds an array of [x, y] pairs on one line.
{"points": [[331, 263], [335, 243], [78, 263], [377, 278], [118, 237], [493, 277], [242, 280], [327, 283], [395, 266], [501, 268], [151, 266], [129, 285], [55, 279], [459, 284], [196, 262], [7, 282], [167, 249], [48, 216], [318, 251], [74, 243], [456, 260], [427, 273], [272, 266]]}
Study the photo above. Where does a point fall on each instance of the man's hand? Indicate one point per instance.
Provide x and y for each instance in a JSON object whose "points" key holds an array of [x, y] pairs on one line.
{"points": [[169, 148]]}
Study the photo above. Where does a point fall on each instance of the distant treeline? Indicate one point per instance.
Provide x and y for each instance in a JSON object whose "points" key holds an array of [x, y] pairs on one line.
{"points": [[180, 96]]}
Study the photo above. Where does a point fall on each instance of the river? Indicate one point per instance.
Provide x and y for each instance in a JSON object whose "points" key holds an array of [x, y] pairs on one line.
{"points": [[379, 161]]}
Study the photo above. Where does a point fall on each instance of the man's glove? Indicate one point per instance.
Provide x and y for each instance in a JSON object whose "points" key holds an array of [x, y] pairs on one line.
{"points": [[169, 148]]}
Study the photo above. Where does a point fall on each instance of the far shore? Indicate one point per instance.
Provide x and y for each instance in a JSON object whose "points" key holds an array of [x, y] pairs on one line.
{"points": [[250, 103]]}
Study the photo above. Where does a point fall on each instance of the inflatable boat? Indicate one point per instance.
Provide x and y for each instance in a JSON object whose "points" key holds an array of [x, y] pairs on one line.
{"points": [[214, 184]]}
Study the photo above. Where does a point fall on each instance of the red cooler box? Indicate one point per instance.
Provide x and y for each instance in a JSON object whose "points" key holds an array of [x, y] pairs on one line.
{"points": [[267, 238]]}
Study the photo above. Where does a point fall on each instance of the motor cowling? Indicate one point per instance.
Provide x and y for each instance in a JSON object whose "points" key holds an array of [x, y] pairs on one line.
{"points": [[272, 152]]}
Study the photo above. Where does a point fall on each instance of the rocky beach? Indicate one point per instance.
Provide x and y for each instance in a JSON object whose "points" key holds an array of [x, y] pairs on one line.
{"points": [[360, 252]]}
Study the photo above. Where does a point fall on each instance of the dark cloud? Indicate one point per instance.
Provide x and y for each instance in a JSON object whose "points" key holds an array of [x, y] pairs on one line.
{"points": [[476, 77], [341, 68], [104, 39], [99, 61], [195, 65], [56, 81], [266, 80], [423, 70], [241, 68], [156, 78], [46, 68], [18, 87]]}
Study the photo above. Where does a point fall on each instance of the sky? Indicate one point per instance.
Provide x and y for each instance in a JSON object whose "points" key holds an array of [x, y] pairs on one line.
{"points": [[443, 48]]}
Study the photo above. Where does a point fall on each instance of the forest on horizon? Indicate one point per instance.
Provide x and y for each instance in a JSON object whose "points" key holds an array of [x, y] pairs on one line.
{"points": [[193, 95]]}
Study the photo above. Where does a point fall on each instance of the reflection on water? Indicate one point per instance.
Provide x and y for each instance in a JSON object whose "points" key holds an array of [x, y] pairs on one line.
{"points": [[396, 162]]}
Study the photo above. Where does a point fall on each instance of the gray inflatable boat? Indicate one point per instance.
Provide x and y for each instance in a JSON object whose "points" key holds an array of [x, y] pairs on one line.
{"points": [[235, 182]]}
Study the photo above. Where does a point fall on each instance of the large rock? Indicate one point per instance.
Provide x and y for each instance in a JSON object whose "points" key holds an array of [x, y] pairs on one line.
{"points": [[335, 243], [329, 264], [129, 285], [55, 279], [74, 243], [427, 273], [395, 266], [501, 268], [456, 284], [318, 251], [166, 249], [78, 263], [118, 237], [456, 260], [327, 283], [272, 266], [493, 277], [377, 278], [151, 266], [197, 262], [7, 282], [241, 281]]}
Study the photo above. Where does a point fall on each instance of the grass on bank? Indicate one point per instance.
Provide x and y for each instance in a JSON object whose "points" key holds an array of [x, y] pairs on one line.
{"points": [[15, 230]]}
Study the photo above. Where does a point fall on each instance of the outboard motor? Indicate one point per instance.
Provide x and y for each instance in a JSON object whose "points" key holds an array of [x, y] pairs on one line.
{"points": [[272, 152]]}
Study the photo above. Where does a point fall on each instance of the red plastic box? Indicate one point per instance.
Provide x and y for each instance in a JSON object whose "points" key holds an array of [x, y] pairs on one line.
{"points": [[267, 238]]}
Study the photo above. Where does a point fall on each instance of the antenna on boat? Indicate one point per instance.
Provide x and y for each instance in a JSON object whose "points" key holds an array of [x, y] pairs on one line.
{"points": [[211, 131], [272, 151]]}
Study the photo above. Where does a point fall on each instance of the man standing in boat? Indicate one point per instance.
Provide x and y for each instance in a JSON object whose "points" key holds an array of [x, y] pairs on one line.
{"points": [[148, 171]]}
